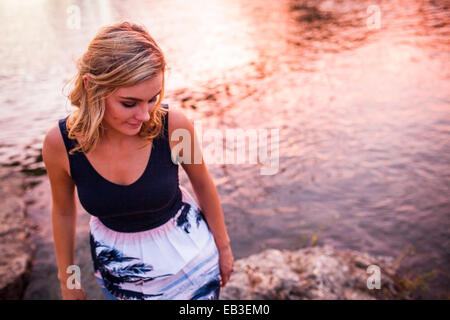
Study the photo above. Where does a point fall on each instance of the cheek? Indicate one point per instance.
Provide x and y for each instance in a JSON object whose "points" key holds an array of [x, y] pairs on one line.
{"points": [[114, 112]]}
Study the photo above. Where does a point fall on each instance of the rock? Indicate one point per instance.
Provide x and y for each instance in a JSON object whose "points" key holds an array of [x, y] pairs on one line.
{"points": [[16, 250], [316, 273]]}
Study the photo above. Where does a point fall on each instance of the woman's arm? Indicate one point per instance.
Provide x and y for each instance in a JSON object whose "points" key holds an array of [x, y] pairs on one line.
{"points": [[64, 209], [205, 190], [209, 202], [202, 182]]}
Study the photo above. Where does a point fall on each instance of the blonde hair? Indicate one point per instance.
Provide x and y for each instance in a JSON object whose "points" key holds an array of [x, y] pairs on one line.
{"points": [[123, 54]]}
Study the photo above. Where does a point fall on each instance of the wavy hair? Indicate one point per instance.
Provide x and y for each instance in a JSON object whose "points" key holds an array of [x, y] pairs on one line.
{"points": [[123, 54]]}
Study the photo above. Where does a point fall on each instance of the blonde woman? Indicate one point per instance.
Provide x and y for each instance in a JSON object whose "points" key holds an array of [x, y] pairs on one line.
{"points": [[150, 239]]}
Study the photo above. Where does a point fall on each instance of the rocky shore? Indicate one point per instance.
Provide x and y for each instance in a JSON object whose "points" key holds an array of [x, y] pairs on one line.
{"points": [[16, 249], [313, 273]]}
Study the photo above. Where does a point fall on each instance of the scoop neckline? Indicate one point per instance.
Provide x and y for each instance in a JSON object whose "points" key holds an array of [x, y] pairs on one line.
{"points": [[149, 161]]}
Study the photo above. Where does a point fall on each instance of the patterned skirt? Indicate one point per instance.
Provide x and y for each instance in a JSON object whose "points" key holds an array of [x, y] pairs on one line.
{"points": [[177, 260]]}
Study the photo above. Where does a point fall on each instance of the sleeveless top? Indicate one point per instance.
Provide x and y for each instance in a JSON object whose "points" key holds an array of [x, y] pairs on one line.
{"points": [[145, 204]]}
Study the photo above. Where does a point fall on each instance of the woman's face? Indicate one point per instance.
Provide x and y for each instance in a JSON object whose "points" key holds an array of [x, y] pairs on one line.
{"points": [[128, 107]]}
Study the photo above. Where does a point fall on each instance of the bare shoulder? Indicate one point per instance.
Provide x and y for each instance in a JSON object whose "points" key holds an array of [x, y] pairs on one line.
{"points": [[192, 162], [53, 143], [54, 151], [178, 119], [57, 165]]}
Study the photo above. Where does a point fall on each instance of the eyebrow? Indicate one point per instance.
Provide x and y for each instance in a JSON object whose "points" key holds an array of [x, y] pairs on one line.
{"points": [[136, 99]]}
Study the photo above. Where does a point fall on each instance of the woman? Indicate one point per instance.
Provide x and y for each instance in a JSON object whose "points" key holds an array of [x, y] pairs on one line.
{"points": [[149, 238]]}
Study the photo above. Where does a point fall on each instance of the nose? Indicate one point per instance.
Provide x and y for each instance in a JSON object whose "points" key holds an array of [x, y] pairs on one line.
{"points": [[143, 113]]}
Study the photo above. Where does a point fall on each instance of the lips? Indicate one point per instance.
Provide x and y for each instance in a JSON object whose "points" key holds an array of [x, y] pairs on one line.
{"points": [[135, 125]]}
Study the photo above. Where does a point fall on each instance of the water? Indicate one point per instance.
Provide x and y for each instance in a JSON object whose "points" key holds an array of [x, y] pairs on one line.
{"points": [[363, 114]]}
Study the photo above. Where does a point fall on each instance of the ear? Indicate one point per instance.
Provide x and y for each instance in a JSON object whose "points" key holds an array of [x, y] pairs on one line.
{"points": [[86, 81]]}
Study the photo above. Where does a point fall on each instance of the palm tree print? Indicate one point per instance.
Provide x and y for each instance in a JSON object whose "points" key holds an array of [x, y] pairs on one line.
{"points": [[114, 276], [199, 216], [183, 221], [211, 287]]}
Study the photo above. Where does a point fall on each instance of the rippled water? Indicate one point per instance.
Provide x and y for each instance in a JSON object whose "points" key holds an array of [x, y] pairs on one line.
{"points": [[363, 114]]}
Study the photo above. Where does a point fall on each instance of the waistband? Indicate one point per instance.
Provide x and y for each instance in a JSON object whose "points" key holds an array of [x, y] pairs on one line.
{"points": [[143, 221]]}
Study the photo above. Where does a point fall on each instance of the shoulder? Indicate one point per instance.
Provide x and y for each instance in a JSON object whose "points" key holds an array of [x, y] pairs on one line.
{"points": [[187, 152], [180, 127], [53, 141], [57, 166], [54, 150], [178, 119]]}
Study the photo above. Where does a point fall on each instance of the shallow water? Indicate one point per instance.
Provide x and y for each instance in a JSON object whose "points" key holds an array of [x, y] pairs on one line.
{"points": [[363, 114]]}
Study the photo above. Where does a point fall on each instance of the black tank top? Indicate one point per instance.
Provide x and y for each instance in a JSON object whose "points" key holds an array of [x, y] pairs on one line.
{"points": [[145, 204]]}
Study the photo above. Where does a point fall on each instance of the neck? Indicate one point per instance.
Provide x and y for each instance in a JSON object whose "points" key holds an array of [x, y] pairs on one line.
{"points": [[116, 139]]}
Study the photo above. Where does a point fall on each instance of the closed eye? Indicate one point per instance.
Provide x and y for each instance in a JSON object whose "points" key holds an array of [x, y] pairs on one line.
{"points": [[128, 105]]}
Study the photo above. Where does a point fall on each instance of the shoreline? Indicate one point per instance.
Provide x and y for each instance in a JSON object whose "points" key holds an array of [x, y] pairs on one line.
{"points": [[16, 250]]}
